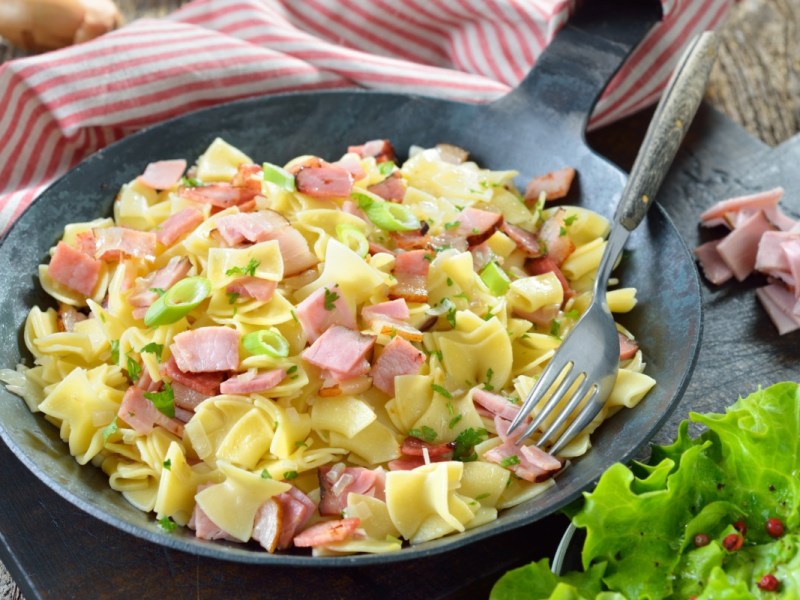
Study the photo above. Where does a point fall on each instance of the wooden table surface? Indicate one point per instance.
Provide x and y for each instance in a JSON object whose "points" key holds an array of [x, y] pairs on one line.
{"points": [[756, 83]]}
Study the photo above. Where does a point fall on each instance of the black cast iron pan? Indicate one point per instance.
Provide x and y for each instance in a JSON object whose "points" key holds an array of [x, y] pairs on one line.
{"points": [[536, 128]]}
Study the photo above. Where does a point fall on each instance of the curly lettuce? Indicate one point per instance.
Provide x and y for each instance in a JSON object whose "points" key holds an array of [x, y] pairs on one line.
{"points": [[641, 521]]}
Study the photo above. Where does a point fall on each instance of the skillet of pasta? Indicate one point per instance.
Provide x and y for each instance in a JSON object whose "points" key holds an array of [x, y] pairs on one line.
{"points": [[321, 355]]}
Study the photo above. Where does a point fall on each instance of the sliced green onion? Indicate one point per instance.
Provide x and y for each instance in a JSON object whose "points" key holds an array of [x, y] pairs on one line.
{"points": [[178, 302], [495, 279], [352, 237], [266, 342], [388, 216], [279, 176]]}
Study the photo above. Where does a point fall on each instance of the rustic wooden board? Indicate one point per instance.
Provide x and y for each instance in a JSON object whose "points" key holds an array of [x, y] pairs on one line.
{"points": [[54, 550]]}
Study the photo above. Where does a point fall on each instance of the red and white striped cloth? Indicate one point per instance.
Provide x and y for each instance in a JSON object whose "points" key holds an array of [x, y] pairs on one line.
{"points": [[59, 107]]}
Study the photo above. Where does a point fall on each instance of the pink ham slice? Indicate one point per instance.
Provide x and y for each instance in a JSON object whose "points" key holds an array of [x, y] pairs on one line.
{"points": [[297, 510], [476, 225], [163, 174], [176, 226], [414, 451], [250, 383], [411, 271], [68, 317], [627, 347], [113, 243], [327, 532], [341, 352], [267, 524], [391, 189], [482, 255], [411, 240], [494, 405], [204, 527], [393, 309], [315, 317], [780, 305], [552, 233], [202, 383], [143, 416], [534, 464], [336, 481], [297, 257], [740, 247], [84, 241], [188, 398], [324, 181], [772, 255], [555, 185], [546, 264], [351, 163], [167, 276], [380, 150], [250, 227], [74, 269], [399, 357], [714, 268], [252, 287], [206, 349], [527, 242], [221, 195], [718, 213]]}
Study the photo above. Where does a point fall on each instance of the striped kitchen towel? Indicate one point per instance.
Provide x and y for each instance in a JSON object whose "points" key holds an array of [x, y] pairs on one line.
{"points": [[59, 107]]}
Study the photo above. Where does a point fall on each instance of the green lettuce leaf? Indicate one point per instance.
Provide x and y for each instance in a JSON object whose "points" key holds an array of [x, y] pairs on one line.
{"points": [[641, 521]]}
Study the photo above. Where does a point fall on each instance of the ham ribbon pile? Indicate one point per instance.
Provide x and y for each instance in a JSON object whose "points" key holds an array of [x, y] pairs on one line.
{"points": [[59, 107]]}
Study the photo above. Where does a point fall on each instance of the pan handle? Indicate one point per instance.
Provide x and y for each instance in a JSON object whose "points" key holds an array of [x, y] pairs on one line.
{"points": [[576, 66]]}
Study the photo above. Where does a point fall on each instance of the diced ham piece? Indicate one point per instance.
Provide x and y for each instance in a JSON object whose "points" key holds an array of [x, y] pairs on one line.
{"points": [[533, 464], [206, 349], [252, 382], [68, 316], [526, 241], [176, 226], [546, 264], [336, 481], [324, 181], [494, 404], [739, 248], [780, 220], [413, 262], [297, 510], [252, 227], [413, 288], [297, 257], [413, 446], [627, 347], [552, 233], [554, 184], [341, 352], [475, 225], [482, 255], [714, 268], [267, 524], [84, 241], [142, 415], [780, 305], [163, 174], [399, 357], [393, 309], [186, 397], [323, 309], [163, 279], [147, 383], [252, 287], [327, 532], [112, 243], [203, 383], [411, 240], [391, 189], [74, 269], [221, 195], [381, 150], [772, 255], [248, 179], [753, 202]]}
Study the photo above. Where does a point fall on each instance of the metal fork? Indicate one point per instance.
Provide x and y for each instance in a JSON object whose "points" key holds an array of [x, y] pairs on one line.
{"points": [[582, 372]]}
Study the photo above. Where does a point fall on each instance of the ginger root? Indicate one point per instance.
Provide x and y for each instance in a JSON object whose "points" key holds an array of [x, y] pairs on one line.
{"points": [[37, 25]]}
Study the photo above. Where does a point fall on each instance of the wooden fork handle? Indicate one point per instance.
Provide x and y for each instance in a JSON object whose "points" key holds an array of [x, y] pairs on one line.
{"points": [[668, 127]]}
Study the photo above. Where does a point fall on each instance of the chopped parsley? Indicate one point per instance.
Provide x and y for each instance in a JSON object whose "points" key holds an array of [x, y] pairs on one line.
{"points": [[232, 297], [330, 298], [452, 225], [451, 316], [114, 351], [562, 231], [250, 269], [572, 314], [487, 382], [291, 370], [386, 167], [465, 442], [159, 291], [167, 524], [424, 433], [294, 316], [190, 182], [289, 475], [110, 430], [168, 464], [427, 256], [441, 390], [555, 328], [300, 444], [570, 220], [153, 348], [454, 420], [164, 400], [510, 461], [449, 281], [265, 474], [134, 368], [482, 496]]}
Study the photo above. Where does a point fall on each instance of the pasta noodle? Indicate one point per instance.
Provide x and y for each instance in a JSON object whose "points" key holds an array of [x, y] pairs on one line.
{"points": [[341, 342]]}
